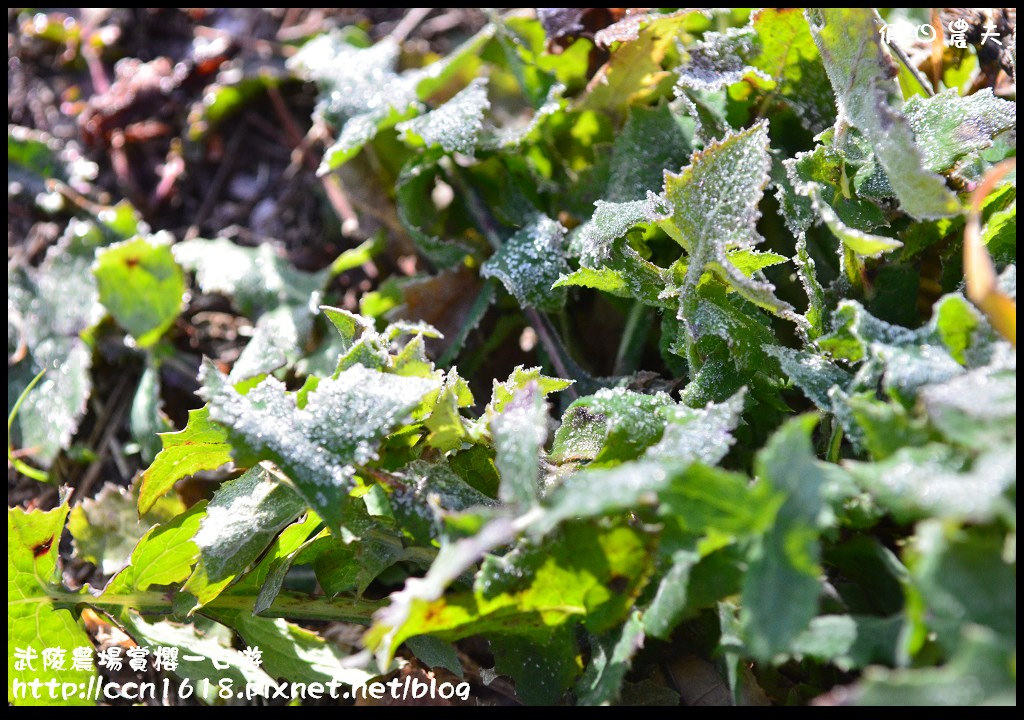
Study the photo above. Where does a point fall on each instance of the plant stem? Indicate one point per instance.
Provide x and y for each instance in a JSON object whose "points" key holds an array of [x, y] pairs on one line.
{"points": [[288, 605]]}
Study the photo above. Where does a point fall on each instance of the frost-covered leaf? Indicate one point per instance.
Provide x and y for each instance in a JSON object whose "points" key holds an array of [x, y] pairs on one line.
{"points": [[530, 262], [48, 310], [520, 378], [519, 432], [611, 221], [862, 243], [456, 125], [714, 209], [903, 360], [343, 421], [610, 426], [652, 141], [255, 279], [949, 127], [635, 68], [698, 434], [868, 98], [720, 59], [361, 90], [241, 520], [141, 285], [937, 481], [813, 374]]}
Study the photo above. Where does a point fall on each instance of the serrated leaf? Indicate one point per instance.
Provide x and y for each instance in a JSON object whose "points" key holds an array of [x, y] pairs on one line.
{"points": [[948, 127], [868, 98], [530, 262], [240, 522], [343, 421], [814, 374], [49, 309], [33, 622], [503, 392], [565, 580], [202, 445], [714, 209], [141, 285], [862, 243], [455, 126], [163, 556]]}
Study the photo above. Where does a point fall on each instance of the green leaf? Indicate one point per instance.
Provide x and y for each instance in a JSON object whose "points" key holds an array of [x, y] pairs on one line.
{"points": [[519, 433], [362, 92], [610, 426], [163, 556], [107, 527], [244, 516], [520, 378], [455, 126], [714, 210], [254, 279], [191, 641], [868, 98], [948, 567], [534, 588], [787, 54], [850, 641], [949, 127], [937, 481], [542, 668], [530, 262], [651, 141], [435, 653], [317, 446], [34, 623], [862, 243], [146, 419], [141, 285], [782, 583], [202, 445], [814, 374], [980, 673], [49, 309]]}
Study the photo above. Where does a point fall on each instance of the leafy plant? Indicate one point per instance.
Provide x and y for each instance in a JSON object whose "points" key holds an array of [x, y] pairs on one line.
{"points": [[815, 487]]}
